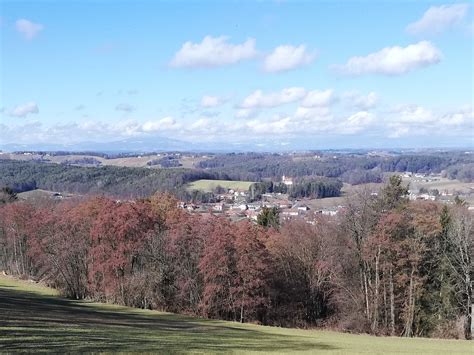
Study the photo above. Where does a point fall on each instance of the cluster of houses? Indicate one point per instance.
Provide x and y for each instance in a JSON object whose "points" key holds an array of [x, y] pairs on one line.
{"points": [[233, 204], [418, 177]]}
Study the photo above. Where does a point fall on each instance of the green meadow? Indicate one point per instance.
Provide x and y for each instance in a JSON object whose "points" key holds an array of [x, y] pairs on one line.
{"points": [[34, 318], [209, 185]]}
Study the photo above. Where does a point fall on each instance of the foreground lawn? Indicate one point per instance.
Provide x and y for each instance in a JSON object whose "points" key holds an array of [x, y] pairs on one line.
{"points": [[210, 185], [34, 318]]}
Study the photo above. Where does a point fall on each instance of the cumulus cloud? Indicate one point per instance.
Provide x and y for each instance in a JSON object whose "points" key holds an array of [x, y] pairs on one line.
{"points": [[167, 123], [304, 123], [213, 52], [357, 122], [283, 125], [286, 57], [314, 113], [258, 99], [413, 114], [125, 107], [413, 120], [363, 102], [393, 60], [246, 113], [318, 98], [28, 29], [209, 101], [25, 109], [461, 117], [439, 18]]}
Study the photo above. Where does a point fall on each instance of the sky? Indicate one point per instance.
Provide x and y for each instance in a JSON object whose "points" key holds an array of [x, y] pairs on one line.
{"points": [[319, 74]]}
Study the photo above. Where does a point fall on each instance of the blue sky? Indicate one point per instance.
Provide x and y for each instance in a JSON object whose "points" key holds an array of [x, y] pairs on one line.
{"points": [[327, 73]]}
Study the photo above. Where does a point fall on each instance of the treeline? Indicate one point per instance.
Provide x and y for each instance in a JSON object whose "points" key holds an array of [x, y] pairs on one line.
{"points": [[462, 172], [165, 162], [117, 181], [58, 153], [353, 169], [385, 266], [301, 188], [82, 161]]}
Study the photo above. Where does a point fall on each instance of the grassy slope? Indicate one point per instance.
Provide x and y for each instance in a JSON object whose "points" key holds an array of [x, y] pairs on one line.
{"points": [[34, 318], [209, 185]]}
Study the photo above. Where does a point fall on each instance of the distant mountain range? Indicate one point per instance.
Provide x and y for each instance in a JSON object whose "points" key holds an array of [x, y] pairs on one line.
{"points": [[152, 144], [164, 144], [146, 144]]}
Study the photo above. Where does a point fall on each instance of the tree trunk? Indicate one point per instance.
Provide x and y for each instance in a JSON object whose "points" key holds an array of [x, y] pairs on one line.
{"points": [[385, 317], [366, 295], [392, 305], [469, 309], [411, 306], [375, 323]]}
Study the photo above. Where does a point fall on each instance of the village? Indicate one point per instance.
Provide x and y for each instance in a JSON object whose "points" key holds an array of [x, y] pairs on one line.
{"points": [[233, 203]]}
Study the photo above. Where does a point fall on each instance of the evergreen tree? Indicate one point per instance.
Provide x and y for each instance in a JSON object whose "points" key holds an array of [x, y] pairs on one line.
{"points": [[269, 217]]}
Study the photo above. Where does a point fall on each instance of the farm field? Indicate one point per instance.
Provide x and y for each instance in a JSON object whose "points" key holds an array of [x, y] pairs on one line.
{"points": [[209, 185], [139, 161], [35, 318], [40, 194], [441, 184]]}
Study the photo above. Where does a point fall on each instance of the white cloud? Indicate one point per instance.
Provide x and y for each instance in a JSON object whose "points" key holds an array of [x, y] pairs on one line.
{"points": [[413, 120], [462, 117], [357, 122], [286, 57], [246, 113], [124, 107], [25, 109], [317, 98], [393, 60], [202, 124], [455, 124], [209, 101], [414, 114], [363, 102], [439, 18], [213, 52], [258, 99], [315, 113], [167, 123], [28, 29], [276, 126]]}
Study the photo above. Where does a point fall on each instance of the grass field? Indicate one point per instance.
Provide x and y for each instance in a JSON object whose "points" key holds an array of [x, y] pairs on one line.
{"points": [[34, 319], [209, 185]]}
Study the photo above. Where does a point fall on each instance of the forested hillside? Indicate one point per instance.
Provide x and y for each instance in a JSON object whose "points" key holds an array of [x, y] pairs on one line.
{"points": [[384, 266], [353, 169], [118, 181], [316, 176]]}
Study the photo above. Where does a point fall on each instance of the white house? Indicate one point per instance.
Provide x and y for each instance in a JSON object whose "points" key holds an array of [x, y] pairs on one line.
{"points": [[287, 180]]}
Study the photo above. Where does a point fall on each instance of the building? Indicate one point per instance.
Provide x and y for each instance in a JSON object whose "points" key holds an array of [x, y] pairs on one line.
{"points": [[288, 181]]}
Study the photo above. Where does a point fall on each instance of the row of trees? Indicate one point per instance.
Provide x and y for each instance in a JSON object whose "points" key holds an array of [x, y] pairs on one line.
{"points": [[307, 187], [414, 263], [462, 172], [350, 168], [385, 266], [112, 180]]}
